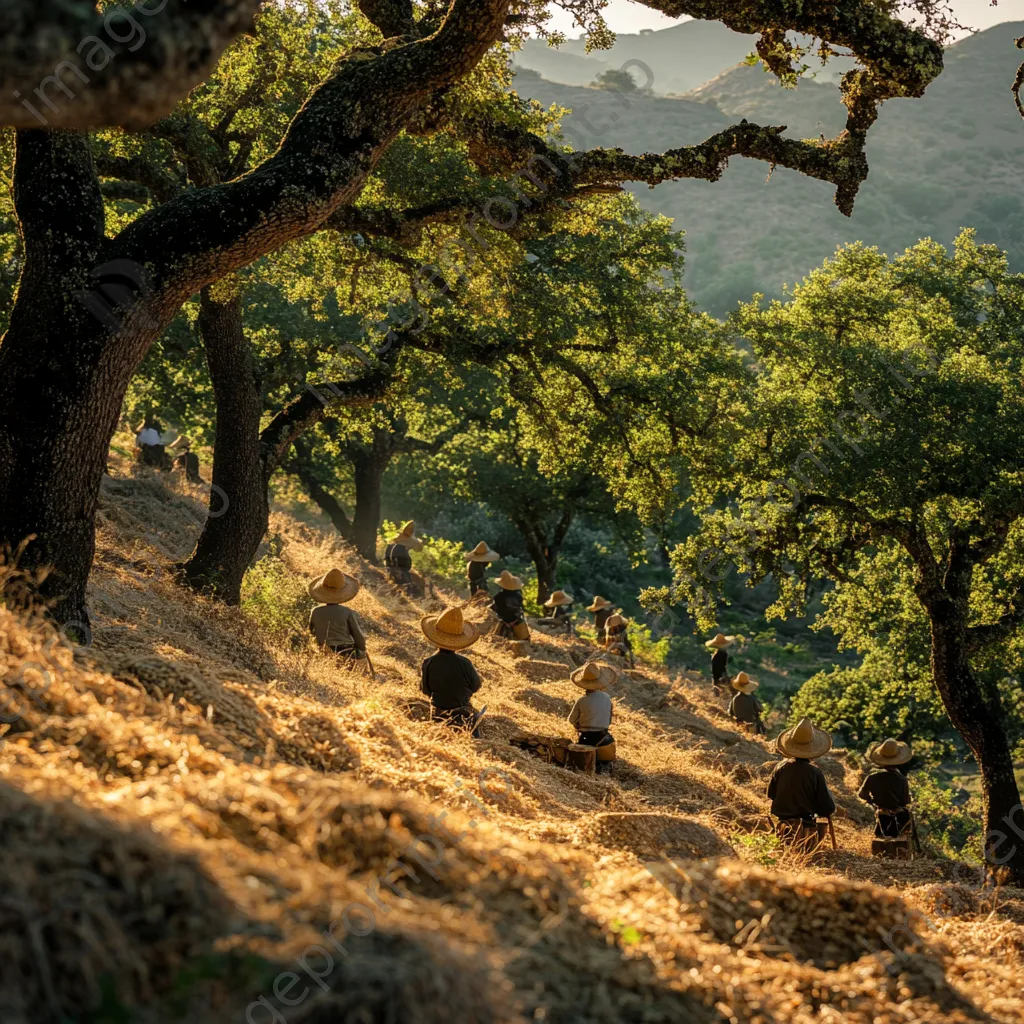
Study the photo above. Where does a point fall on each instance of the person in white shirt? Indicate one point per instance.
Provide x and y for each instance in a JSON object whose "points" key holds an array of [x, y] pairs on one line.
{"points": [[151, 446], [148, 433], [591, 715]]}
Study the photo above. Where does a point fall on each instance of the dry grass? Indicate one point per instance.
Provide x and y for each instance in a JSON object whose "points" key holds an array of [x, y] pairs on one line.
{"points": [[188, 806]]}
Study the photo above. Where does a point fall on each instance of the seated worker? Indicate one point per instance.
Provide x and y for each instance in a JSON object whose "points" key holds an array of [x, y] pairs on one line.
{"points": [[745, 708], [335, 627], [447, 678], [477, 562], [508, 606], [591, 715], [888, 789], [559, 606], [150, 444], [797, 789], [601, 610], [186, 460], [719, 660], [397, 559], [616, 638]]}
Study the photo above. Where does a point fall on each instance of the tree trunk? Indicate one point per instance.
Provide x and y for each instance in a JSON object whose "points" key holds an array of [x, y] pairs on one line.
{"points": [[545, 559], [239, 510], [980, 722], [369, 465], [302, 467]]}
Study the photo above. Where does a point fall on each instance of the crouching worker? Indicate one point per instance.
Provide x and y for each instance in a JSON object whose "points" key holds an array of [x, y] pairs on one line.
{"points": [[508, 606], [616, 638], [888, 789], [559, 611], [398, 560], [477, 563], [447, 678], [797, 789], [745, 708], [336, 627], [601, 609], [591, 715]]}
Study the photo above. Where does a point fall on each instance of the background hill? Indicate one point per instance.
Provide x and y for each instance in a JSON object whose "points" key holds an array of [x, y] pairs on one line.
{"points": [[938, 164]]}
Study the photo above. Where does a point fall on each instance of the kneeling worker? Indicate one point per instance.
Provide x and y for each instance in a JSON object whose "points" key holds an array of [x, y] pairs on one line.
{"points": [[601, 609], [335, 627], [797, 789], [718, 645], [745, 708], [477, 562], [447, 678], [888, 789], [616, 638], [559, 608], [591, 715], [508, 606]]}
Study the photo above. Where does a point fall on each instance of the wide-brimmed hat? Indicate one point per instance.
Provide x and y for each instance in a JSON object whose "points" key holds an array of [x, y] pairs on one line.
{"points": [[482, 553], [507, 581], [406, 538], [614, 621], [181, 442], [890, 752], [598, 604], [804, 740], [334, 587], [449, 630], [742, 682], [558, 599], [720, 640], [594, 675]]}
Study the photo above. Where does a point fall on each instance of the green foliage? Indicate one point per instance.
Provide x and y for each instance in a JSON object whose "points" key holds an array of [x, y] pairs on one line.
{"points": [[763, 848], [442, 560], [645, 648], [618, 81], [950, 830], [275, 598]]}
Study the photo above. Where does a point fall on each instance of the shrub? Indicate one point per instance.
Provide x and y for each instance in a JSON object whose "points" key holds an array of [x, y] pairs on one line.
{"points": [[275, 598], [762, 847], [954, 831], [646, 648]]}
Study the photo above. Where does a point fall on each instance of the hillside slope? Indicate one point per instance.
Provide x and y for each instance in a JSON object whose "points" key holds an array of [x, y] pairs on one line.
{"points": [[938, 164], [204, 819]]}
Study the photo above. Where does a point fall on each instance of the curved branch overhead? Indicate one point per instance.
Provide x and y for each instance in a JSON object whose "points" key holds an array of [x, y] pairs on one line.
{"points": [[68, 65]]}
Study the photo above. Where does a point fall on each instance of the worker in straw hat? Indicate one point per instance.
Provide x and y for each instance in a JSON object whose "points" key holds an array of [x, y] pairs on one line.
{"points": [[591, 715], [718, 645], [508, 606], [447, 678], [616, 638], [185, 459], [744, 707], [887, 789], [477, 562], [601, 609], [397, 559], [797, 789], [336, 627], [559, 606]]}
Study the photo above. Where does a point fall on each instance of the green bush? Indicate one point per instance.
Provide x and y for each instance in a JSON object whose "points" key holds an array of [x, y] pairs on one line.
{"points": [[646, 648], [953, 831], [442, 560], [763, 847], [275, 598]]}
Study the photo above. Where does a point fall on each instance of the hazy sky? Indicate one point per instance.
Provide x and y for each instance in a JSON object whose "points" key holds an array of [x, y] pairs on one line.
{"points": [[624, 16]]}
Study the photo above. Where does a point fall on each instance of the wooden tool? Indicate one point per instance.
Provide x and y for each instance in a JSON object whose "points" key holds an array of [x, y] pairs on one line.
{"points": [[832, 833]]}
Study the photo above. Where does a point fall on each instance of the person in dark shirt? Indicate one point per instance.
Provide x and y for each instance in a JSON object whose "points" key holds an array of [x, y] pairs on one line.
{"points": [[616, 638], [745, 708], [559, 606], [186, 460], [397, 559], [601, 609], [888, 789], [797, 789], [719, 660], [447, 678], [508, 606], [477, 562]]}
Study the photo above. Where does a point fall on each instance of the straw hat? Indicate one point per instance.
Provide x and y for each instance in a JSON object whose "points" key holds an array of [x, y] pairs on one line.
{"points": [[720, 640], [594, 676], [599, 604], [742, 682], [558, 599], [334, 587], [482, 553], [806, 740], [507, 581], [614, 621], [449, 630], [405, 537], [890, 752], [181, 442]]}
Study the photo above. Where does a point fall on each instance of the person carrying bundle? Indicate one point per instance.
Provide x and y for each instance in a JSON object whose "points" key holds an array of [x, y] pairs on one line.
{"points": [[186, 460], [591, 715], [397, 559], [887, 790], [616, 638], [797, 788], [601, 609], [559, 606], [508, 606], [718, 646], [477, 563], [336, 627], [447, 678], [745, 708]]}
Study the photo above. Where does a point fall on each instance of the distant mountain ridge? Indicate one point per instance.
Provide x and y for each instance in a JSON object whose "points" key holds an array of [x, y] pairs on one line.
{"points": [[949, 160]]}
